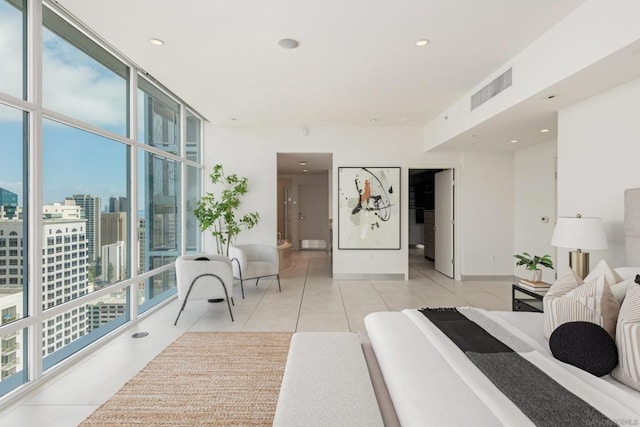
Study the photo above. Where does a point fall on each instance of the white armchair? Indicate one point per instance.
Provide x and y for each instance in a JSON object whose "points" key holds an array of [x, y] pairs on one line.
{"points": [[254, 261], [204, 277]]}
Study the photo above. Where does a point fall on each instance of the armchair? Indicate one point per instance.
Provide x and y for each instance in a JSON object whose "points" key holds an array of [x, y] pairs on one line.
{"points": [[253, 261], [204, 277]]}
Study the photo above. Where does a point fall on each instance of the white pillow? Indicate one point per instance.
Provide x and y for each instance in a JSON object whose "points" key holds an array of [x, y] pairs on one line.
{"points": [[627, 272], [571, 300], [628, 340], [604, 269], [619, 290]]}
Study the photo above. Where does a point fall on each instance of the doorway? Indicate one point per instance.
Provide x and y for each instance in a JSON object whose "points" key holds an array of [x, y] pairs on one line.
{"points": [[304, 199], [431, 216]]}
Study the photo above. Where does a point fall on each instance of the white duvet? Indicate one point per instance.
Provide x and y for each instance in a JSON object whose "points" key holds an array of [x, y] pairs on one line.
{"points": [[433, 383]]}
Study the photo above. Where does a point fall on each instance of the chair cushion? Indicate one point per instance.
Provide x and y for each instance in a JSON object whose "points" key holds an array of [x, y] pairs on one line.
{"points": [[259, 269]]}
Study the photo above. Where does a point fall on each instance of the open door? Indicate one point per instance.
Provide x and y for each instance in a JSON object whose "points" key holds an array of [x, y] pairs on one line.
{"points": [[443, 188]]}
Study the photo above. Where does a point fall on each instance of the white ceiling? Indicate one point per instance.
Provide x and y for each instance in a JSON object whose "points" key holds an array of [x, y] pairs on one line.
{"points": [[357, 59]]}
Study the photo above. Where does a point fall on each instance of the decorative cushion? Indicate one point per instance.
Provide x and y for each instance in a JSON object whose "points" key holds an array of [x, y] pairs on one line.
{"points": [[603, 269], [569, 300], [628, 340], [585, 345], [620, 289]]}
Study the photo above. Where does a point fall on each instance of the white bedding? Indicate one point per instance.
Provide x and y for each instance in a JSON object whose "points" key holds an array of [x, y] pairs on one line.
{"points": [[432, 383]]}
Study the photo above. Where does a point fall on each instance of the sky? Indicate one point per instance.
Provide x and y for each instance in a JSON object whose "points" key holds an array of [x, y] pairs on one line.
{"points": [[74, 161]]}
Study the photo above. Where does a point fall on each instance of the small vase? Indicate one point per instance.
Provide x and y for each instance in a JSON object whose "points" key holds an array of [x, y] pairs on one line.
{"points": [[536, 275]]}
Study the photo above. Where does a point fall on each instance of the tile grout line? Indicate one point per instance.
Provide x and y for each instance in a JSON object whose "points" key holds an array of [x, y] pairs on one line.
{"points": [[304, 287]]}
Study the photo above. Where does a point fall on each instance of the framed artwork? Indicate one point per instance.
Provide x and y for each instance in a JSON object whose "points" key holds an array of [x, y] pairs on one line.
{"points": [[369, 208]]}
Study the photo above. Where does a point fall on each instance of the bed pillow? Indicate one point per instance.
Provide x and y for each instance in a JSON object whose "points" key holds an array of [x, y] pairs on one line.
{"points": [[571, 300], [603, 269], [628, 340], [627, 272], [620, 289], [586, 346]]}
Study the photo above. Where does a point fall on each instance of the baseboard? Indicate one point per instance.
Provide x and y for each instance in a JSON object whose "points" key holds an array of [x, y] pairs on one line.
{"points": [[368, 276], [488, 278]]}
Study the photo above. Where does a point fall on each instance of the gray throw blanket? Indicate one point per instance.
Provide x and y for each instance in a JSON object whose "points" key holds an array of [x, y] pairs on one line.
{"points": [[536, 394]]}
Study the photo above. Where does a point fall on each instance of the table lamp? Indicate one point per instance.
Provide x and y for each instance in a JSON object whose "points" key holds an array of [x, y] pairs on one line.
{"points": [[579, 233]]}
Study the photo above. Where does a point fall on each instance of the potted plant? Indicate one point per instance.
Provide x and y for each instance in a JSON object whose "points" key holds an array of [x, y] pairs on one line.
{"points": [[218, 212], [532, 262]]}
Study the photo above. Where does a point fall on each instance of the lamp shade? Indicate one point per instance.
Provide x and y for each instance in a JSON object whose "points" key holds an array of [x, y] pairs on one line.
{"points": [[579, 233]]}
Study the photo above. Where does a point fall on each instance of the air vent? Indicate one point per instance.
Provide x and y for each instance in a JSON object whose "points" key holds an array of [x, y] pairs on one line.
{"points": [[499, 84]]}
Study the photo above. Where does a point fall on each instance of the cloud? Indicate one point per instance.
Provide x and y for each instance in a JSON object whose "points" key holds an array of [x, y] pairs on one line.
{"points": [[73, 83], [80, 87], [11, 53]]}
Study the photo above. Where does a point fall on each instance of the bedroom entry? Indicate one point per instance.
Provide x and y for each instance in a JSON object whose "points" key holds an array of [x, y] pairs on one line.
{"points": [[431, 216]]}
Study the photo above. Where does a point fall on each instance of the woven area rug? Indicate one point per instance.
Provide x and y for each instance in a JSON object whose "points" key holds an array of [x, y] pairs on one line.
{"points": [[203, 379]]}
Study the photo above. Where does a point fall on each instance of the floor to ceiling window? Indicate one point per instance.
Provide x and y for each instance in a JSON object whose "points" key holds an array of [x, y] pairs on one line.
{"points": [[96, 197]]}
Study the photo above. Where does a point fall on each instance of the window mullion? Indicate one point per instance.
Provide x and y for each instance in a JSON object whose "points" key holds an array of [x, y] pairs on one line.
{"points": [[34, 198]]}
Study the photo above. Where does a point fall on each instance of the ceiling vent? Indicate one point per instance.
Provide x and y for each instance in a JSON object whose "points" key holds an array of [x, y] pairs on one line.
{"points": [[499, 84]]}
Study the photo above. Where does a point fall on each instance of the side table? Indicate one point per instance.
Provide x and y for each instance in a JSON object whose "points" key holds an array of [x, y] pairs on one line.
{"points": [[526, 300]]}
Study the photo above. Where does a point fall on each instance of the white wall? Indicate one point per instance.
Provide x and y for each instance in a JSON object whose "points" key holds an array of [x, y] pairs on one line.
{"points": [[564, 50], [598, 158], [487, 217], [484, 200], [252, 153], [534, 198]]}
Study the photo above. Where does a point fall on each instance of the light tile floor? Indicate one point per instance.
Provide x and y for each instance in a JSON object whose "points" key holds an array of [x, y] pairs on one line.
{"points": [[310, 301]]}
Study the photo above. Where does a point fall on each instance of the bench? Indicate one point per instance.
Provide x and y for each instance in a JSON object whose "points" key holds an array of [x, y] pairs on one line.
{"points": [[326, 383]]}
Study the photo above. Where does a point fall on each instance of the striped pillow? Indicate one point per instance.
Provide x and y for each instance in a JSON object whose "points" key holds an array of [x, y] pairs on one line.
{"points": [[628, 340], [569, 300]]}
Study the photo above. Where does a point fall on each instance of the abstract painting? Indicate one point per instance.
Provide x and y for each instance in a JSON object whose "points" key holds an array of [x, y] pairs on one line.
{"points": [[369, 208]]}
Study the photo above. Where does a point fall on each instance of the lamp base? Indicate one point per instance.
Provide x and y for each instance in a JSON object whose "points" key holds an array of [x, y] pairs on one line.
{"points": [[579, 263]]}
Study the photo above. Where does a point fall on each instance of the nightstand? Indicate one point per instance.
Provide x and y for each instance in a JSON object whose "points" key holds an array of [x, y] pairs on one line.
{"points": [[525, 299]]}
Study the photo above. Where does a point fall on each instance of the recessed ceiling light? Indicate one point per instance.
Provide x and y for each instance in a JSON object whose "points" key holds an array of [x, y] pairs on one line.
{"points": [[422, 42], [305, 170], [288, 43], [544, 130], [374, 120], [303, 163], [513, 141], [405, 119], [156, 42]]}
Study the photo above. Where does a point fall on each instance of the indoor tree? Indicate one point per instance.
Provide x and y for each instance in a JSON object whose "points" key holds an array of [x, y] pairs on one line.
{"points": [[218, 212]]}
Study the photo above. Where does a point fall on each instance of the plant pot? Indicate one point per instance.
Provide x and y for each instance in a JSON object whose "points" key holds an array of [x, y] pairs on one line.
{"points": [[536, 275]]}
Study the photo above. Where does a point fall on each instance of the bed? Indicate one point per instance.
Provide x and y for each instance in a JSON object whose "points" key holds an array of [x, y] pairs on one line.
{"points": [[431, 382]]}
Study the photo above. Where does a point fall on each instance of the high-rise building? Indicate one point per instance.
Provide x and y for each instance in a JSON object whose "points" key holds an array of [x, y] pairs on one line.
{"points": [[113, 262], [67, 210], [118, 204], [64, 270], [107, 309], [124, 204], [141, 245], [113, 227], [8, 204], [10, 351], [114, 204], [91, 206]]}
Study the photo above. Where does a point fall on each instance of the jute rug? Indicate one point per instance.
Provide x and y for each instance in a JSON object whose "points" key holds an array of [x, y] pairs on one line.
{"points": [[203, 379]]}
